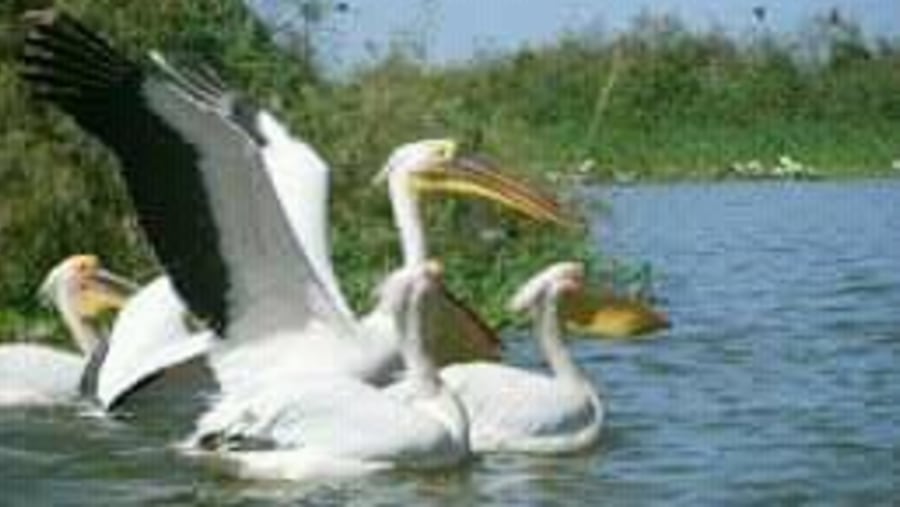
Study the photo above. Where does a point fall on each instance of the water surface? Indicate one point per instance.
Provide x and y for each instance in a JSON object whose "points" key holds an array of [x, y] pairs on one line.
{"points": [[778, 385]]}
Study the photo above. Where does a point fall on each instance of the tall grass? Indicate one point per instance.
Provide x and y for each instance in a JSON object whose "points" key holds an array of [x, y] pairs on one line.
{"points": [[682, 104]]}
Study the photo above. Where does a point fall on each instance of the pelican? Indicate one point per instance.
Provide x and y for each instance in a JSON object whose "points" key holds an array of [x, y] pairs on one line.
{"points": [[333, 425], [511, 409], [205, 170], [81, 290]]}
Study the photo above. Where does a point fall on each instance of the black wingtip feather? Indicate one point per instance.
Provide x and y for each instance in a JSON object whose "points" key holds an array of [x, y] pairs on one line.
{"points": [[61, 57], [74, 54], [103, 91], [201, 78], [58, 25]]}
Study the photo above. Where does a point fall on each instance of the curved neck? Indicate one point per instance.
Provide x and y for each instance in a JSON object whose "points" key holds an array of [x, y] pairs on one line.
{"points": [[86, 336], [423, 378], [420, 367], [548, 329], [408, 217]]}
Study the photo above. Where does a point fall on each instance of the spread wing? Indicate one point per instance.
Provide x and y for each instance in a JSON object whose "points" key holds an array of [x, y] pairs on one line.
{"points": [[190, 155]]}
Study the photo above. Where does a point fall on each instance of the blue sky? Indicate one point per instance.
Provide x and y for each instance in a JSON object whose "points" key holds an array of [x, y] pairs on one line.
{"points": [[453, 30]]}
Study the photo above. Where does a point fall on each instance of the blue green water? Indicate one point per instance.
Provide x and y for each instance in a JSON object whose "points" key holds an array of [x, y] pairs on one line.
{"points": [[778, 385]]}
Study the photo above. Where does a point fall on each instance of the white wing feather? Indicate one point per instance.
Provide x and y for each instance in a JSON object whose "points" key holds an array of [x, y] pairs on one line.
{"points": [[301, 180], [149, 335], [336, 417]]}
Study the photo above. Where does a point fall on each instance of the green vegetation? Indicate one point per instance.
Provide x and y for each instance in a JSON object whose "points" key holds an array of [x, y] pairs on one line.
{"points": [[60, 195], [657, 103], [663, 103]]}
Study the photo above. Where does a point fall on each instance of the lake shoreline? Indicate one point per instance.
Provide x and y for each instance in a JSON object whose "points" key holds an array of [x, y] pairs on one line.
{"points": [[688, 176]]}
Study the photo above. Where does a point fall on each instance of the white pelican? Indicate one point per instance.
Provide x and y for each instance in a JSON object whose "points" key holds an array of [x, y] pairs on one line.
{"points": [[332, 425], [512, 409], [199, 163], [80, 290]]}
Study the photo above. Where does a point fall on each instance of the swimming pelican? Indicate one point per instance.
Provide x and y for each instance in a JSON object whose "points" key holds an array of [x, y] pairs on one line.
{"points": [[197, 163], [333, 425], [511, 409], [80, 290]]}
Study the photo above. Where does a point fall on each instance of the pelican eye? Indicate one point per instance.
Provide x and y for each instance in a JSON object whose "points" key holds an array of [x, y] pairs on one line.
{"points": [[85, 265], [445, 151]]}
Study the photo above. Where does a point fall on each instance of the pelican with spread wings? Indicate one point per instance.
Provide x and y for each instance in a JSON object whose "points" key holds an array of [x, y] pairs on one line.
{"points": [[235, 207]]}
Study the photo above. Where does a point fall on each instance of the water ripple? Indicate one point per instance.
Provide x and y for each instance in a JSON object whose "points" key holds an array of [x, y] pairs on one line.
{"points": [[778, 384]]}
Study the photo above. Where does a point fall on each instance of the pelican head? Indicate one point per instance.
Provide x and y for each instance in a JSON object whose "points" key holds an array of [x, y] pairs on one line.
{"points": [[437, 165], [396, 289], [80, 285], [554, 281], [404, 293]]}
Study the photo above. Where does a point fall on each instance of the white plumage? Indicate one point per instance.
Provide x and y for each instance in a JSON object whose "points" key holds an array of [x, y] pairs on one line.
{"points": [[512, 409], [150, 334], [328, 424], [32, 374]]}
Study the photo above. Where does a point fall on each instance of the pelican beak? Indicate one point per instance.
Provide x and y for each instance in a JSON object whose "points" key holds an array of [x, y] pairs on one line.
{"points": [[473, 175], [611, 316], [103, 291]]}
